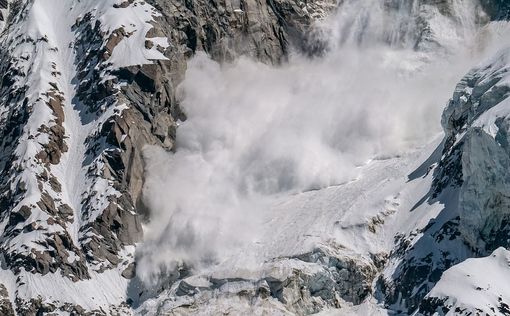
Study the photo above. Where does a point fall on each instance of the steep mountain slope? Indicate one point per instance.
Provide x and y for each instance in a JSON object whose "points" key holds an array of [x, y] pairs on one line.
{"points": [[262, 201], [476, 150], [304, 264], [81, 95], [384, 238]]}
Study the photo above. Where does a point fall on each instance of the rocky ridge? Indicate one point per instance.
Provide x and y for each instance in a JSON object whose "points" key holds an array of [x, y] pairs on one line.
{"points": [[470, 180], [76, 114]]}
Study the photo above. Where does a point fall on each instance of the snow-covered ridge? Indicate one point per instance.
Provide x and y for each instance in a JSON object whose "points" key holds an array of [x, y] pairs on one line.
{"points": [[477, 284], [48, 128], [470, 180], [83, 94]]}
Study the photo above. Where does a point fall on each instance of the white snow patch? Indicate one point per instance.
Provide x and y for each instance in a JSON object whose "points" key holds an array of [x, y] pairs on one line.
{"points": [[476, 283]]}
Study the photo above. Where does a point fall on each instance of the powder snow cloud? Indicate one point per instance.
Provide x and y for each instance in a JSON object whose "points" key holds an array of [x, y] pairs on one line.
{"points": [[256, 131]]}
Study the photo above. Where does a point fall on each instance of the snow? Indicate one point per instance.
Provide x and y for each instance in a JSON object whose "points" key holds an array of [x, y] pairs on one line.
{"points": [[42, 48], [343, 212], [355, 219], [342, 215], [101, 291], [160, 41], [136, 21], [339, 225], [388, 196], [476, 283], [493, 73], [369, 308]]}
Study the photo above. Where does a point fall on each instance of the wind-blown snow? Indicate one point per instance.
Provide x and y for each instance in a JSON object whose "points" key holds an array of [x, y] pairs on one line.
{"points": [[495, 68], [272, 161], [256, 135]]}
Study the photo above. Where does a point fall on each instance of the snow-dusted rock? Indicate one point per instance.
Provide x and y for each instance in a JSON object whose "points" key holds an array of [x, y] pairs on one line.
{"points": [[87, 84], [471, 181]]}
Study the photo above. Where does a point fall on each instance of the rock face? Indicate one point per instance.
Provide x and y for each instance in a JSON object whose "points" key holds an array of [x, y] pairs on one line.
{"points": [[478, 133], [82, 94], [225, 29], [471, 180], [5, 304], [79, 105], [497, 9], [476, 127]]}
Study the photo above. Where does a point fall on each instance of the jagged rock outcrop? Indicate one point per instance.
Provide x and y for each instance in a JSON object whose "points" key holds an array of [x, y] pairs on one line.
{"points": [[81, 95], [471, 180], [76, 113], [224, 30], [497, 9], [5, 303], [477, 141]]}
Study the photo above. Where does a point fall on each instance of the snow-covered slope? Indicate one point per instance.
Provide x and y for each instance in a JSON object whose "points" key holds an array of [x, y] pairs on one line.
{"points": [[48, 170], [388, 232], [475, 285], [302, 263], [85, 85], [308, 173]]}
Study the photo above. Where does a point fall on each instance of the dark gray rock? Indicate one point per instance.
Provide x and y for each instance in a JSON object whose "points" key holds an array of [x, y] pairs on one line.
{"points": [[5, 303]]}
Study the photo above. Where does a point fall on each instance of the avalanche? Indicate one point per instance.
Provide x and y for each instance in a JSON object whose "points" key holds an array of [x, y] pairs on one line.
{"points": [[309, 173], [315, 165]]}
